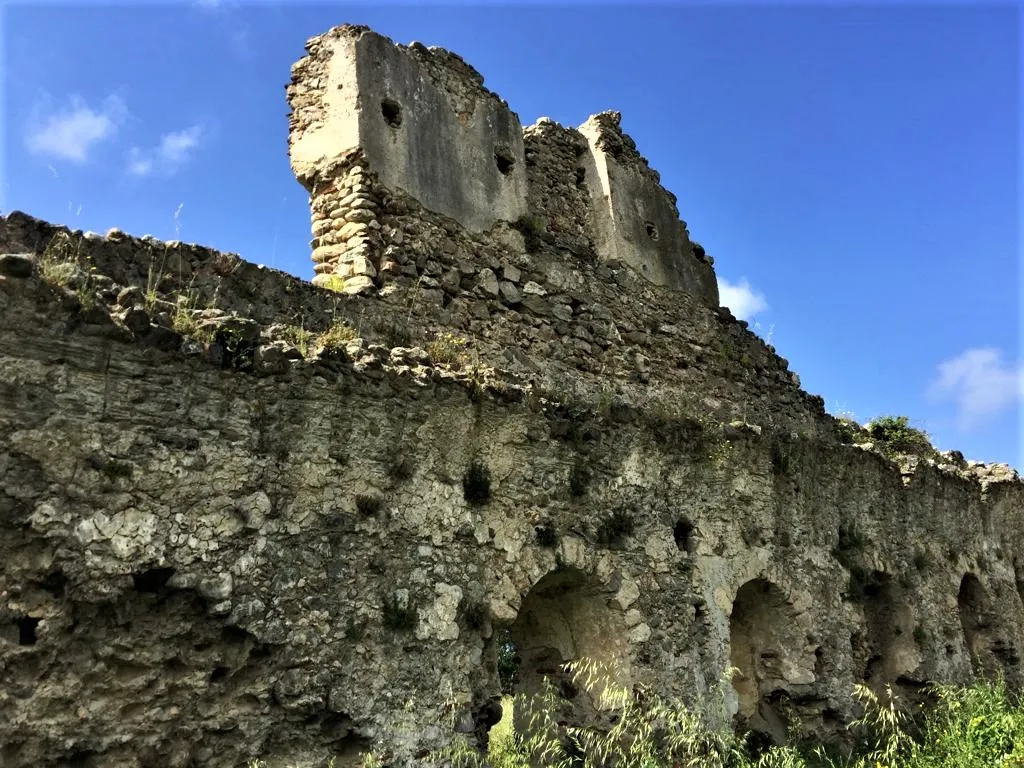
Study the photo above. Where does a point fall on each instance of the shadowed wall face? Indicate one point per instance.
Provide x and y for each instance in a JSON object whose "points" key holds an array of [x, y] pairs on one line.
{"points": [[425, 125], [420, 123]]}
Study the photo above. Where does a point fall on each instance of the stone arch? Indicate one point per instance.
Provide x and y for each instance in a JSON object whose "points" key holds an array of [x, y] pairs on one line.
{"points": [[979, 625], [768, 648], [888, 651], [567, 616]]}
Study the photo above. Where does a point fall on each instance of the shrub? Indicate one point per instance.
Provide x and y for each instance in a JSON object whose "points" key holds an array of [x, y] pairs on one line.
{"points": [[922, 559], [532, 228], [398, 616], [62, 264], [615, 529], [896, 434], [476, 483], [298, 337], [849, 431], [979, 726], [402, 467], [369, 506], [508, 661], [184, 319], [448, 349], [337, 337]]}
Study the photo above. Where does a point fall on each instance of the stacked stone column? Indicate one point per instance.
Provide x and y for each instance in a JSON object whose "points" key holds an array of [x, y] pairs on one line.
{"points": [[346, 230]]}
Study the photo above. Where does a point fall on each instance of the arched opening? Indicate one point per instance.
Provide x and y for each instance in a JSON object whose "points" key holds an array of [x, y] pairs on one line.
{"points": [[979, 626], [565, 618], [769, 650], [886, 650]]}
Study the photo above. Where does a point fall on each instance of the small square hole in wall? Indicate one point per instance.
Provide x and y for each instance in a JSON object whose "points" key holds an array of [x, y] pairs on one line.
{"points": [[652, 231], [504, 160], [391, 111], [27, 630]]}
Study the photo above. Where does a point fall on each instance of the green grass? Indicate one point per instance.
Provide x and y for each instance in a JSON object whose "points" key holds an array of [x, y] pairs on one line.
{"points": [[979, 726], [448, 349], [337, 337]]}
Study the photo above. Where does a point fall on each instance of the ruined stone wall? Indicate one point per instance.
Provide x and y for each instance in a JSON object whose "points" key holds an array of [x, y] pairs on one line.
{"points": [[437, 143], [422, 119], [558, 165], [636, 218], [246, 516], [221, 543]]}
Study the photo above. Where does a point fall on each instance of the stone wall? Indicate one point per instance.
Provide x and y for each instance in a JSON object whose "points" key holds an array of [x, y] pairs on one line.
{"points": [[636, 219], [222, 543], [422, 119], [437, 144], [247, 516]]}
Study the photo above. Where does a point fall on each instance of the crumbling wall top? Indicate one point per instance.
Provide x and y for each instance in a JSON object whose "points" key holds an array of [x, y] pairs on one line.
{"points": [[421, 119], [635, 218]]}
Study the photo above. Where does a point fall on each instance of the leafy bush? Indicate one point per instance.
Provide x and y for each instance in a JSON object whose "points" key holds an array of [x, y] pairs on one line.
{"points": [[63, 265], [896, 434], [532, 228], [298, 337]]}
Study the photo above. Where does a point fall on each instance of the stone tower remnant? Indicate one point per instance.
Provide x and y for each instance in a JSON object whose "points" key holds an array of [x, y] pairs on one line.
{"points": [[373, 119]]}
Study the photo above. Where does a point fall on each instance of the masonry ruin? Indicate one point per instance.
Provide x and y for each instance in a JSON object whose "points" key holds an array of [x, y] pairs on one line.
{"points": [[245, 516]]}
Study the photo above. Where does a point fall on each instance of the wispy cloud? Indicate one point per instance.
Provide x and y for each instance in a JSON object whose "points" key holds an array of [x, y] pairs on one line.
{"points": [[742, 300], [979, 383], [72, 132], [173, 151]]}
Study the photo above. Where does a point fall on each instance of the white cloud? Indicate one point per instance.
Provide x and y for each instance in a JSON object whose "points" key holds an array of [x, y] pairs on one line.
{"points": [[742, 300], [71, 133], [168, 156], [980, 384]]}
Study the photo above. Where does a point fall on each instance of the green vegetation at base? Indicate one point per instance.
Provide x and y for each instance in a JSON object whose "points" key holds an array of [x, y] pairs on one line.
{"points": [[981, 726]]}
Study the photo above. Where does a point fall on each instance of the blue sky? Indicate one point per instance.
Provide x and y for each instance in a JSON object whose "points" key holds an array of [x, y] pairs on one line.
{"points": [[853, 168]]}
